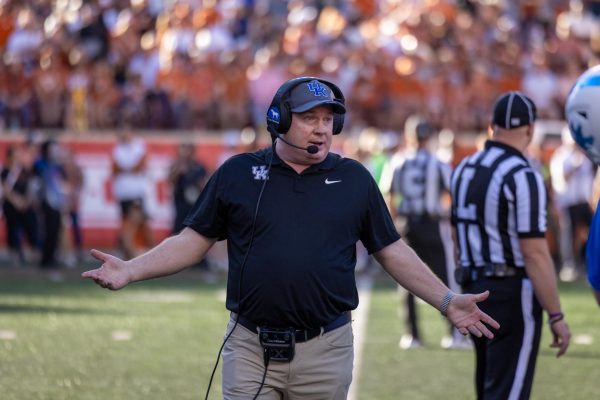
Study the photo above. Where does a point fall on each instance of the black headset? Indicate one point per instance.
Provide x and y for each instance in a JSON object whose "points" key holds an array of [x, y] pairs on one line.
{"points": [[281, 105]]}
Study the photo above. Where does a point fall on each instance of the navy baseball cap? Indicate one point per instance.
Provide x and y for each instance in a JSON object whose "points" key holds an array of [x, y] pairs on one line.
{"points": [[309, 95], [513, 110]]}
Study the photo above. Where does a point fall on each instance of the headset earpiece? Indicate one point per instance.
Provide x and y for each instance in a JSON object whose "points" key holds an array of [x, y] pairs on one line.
{"points": [[338, 123], [279, 114]]}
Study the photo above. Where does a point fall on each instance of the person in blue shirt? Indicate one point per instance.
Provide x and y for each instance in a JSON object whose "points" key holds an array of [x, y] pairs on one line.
{"points": [[592, 255], [581, 111]]}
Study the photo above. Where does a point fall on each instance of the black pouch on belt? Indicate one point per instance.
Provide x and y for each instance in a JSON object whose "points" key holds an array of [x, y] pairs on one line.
{"points": [[278, 343]]}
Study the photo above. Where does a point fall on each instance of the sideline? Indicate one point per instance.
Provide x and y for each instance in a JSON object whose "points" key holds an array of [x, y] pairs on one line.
{"points": [[359, 325]]}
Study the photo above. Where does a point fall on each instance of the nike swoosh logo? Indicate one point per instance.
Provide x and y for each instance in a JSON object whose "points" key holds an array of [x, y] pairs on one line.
{"points": [[328, 182]]}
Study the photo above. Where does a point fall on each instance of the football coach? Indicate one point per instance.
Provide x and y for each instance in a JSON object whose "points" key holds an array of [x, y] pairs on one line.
{"points": [[292, 214]]}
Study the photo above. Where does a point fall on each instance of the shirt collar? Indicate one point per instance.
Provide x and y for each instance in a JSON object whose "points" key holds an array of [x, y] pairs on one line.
{"points": [[510, 149]]}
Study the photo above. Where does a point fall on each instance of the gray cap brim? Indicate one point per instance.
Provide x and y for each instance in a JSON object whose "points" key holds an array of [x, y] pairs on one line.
{"points": [[338, 107]]}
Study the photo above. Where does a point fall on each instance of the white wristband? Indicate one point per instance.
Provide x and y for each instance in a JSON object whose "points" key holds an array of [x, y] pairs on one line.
{"points": [[446, 302]]}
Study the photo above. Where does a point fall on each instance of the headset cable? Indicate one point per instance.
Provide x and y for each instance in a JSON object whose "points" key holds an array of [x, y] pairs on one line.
{"points": [[252, 229]]}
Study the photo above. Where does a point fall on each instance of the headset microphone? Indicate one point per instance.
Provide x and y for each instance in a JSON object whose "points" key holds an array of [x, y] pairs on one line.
{"points": [[312, 149]]}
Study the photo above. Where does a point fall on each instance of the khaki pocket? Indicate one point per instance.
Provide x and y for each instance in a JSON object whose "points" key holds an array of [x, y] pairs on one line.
{"points": [[340, 337], [240, 333]]}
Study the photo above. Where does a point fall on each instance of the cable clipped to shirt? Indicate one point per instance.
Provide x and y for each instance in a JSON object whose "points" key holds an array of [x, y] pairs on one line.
{"points": [[252, 229]]}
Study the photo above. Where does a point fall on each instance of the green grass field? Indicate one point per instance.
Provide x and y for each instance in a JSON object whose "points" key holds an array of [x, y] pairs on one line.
{"points": [[159, 340]]}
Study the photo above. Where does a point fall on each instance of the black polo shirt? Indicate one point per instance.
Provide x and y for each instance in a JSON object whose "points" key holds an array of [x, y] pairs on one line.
{"points": [[300, 270]]}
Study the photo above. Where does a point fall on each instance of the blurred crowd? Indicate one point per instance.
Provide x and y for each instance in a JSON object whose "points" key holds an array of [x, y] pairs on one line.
{"points": [[214, 65]]}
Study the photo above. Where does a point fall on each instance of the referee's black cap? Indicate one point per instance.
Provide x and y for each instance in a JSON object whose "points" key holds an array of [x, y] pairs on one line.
{"points": [[513, 110]]}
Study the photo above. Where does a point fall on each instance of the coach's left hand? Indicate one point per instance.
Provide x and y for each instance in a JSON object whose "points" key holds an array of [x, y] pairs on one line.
{"points": [[464, 314]]}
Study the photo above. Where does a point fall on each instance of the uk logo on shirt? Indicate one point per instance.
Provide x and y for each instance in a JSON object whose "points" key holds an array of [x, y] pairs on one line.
{"points": [[260, 172]]}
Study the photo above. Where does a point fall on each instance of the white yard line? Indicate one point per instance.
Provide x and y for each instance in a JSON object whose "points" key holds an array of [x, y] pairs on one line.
{"points": [[7, 334], [360, 318]]}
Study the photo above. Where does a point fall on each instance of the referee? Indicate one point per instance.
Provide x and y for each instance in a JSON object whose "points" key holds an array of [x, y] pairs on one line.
{"points": [[499, 218], [419, 202]]}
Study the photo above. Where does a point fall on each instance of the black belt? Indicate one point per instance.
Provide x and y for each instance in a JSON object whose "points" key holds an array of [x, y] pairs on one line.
{"points": [[302, 335], [465, 275]]}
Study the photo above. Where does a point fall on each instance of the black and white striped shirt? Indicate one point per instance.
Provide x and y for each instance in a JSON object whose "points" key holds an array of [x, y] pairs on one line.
{"points": [[497, 199], [420, 181]]}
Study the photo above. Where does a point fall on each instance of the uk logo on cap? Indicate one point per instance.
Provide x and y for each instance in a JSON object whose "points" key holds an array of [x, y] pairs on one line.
{"points": [[317, 89]]}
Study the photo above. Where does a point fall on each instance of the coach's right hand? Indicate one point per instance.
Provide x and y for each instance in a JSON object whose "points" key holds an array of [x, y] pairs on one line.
{"points": [[113, 274], [561, 335]]}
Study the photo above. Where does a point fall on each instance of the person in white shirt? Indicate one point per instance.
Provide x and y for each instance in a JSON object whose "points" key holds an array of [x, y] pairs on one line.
{"points": [[129, 188]]}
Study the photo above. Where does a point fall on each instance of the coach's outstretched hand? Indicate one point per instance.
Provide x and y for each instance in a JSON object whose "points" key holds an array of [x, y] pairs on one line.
{"points": [[467, 317], [113, 274]]}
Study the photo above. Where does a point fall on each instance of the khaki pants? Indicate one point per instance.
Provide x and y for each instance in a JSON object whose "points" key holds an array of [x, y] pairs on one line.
{"points": [[321, 368]]}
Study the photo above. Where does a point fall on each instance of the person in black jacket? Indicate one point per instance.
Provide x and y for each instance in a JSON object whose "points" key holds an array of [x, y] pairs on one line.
{"points": [[188, 177], [18, 206]]}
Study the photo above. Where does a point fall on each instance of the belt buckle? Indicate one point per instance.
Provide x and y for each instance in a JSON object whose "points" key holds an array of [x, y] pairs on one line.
{"points": [[489, 270], [501, 270], [474, 274]]}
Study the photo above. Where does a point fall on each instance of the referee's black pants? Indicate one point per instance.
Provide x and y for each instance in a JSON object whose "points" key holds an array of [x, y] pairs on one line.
{"points": [[505, 364], [424, 236]]}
